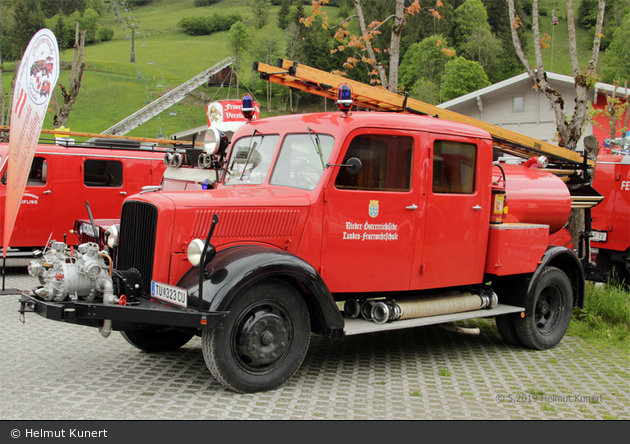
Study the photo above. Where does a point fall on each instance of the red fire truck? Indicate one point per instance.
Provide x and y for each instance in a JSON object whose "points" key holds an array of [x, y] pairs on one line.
{"points": [[611, 219], [337, 224], [63, 178]]}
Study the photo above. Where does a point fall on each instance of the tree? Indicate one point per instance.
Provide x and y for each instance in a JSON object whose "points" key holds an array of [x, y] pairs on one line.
{"points": [[425, 60], [617, 56], [76, 76], [482, 47], [261, 8], [284, 14], [462, 76], [90, 23], [239, 42], [27, 20], [569, 126], [470, 16], [365, 51], [267, 47]]}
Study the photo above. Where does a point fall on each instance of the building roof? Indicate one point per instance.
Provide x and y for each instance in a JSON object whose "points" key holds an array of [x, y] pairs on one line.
{"points": [[523, 78]]}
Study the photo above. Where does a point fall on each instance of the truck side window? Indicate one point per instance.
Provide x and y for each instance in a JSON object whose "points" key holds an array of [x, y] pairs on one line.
{"points": [[454, 167], [102, 173], [386, 163], [37, 177]]}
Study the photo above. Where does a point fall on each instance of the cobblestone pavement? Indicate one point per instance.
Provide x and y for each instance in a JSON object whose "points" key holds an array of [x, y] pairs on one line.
{"points": [[55, 371]]}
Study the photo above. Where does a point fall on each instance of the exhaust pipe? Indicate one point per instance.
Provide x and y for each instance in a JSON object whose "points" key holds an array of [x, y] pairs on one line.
{"points": [[446, 303]]}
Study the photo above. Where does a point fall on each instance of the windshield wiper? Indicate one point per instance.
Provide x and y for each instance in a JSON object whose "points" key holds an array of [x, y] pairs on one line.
{"points": [[315, 141], [249, 153]]}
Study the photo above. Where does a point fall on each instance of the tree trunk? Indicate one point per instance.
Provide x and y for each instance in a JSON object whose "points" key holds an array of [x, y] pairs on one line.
{"points": [[370, 50], [394, 48], [76, 76]]}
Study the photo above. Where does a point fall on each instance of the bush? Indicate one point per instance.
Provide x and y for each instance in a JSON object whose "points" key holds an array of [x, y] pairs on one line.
{"points": [[105, 34], [200, 3], [208, 25], [195, 25]]}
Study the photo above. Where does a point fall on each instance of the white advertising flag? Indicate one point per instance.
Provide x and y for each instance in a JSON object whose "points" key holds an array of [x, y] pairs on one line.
{"points": [[36, 79]]}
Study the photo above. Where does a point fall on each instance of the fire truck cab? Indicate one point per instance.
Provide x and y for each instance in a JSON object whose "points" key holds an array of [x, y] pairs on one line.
{"points": [[331, 223]]}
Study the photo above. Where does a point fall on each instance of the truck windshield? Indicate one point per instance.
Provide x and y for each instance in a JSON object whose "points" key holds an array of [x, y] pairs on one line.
{"points": [[250, 159], [299, 164]]}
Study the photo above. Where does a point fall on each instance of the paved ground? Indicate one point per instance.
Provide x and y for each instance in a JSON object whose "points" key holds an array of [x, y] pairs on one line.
{"points": [[55, 371]]}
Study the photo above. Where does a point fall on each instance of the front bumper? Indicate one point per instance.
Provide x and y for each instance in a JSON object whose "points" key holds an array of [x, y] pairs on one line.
{"points": [[144, 312]]}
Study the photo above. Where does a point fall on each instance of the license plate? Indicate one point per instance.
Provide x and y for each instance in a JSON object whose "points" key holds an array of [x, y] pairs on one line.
{"points": [[599, 236], [170, 294]]}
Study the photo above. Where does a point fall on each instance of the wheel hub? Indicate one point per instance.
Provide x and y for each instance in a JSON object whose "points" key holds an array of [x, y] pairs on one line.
{"points": [[262, 339]]}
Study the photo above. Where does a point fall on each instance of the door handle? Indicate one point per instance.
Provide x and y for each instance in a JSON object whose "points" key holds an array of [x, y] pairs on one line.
{"points": [[47, 192], [477, 207], [124, 193], [412, 207]]}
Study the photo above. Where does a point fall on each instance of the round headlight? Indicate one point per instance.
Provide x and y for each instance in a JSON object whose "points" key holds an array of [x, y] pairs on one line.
{"points": [[112, 234], [211, 140], [195, 248]]}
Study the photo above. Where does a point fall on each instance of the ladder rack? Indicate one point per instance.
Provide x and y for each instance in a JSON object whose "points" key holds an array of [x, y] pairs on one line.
{"points": [[314, 81]]}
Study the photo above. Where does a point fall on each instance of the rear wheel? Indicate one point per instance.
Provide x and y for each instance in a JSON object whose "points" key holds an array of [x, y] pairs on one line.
{"points": [[507, 329], [547, 312], [263, 341], [158, 339]]}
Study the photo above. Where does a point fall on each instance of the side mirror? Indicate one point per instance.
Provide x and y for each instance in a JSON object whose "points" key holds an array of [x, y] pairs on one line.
{"points": [[353, 165]]}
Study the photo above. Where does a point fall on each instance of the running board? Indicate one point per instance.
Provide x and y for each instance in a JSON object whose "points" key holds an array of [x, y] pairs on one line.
{"points": [[359, 326]]}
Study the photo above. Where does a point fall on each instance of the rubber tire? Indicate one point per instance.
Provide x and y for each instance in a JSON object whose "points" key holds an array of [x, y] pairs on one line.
{"points": [[542, 329], [507, 329], [235, 368], [157, 340]]}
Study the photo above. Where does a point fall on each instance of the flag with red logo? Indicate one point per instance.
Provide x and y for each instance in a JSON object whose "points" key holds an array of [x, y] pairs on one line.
{"points": [[30, 102]]}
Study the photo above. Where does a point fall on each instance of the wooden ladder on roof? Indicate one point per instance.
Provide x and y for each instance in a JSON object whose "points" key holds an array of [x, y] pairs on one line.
{"points": [[304, 78]]}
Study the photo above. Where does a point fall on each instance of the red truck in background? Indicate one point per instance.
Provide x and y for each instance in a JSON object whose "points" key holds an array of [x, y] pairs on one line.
{"points": [[63, 178], [611, 219]]}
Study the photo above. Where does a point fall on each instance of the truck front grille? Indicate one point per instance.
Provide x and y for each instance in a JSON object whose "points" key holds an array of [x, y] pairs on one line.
{"points": [[138, 226]]}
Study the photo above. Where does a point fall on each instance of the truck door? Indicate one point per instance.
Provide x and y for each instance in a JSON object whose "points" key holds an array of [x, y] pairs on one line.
{"points": [[33, 223], [369, 217], [104, 186], [458, 214]]}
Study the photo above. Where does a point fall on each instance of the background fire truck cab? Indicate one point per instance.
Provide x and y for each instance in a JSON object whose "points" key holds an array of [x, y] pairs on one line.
{"points": [[63, 178], [611, 218]]}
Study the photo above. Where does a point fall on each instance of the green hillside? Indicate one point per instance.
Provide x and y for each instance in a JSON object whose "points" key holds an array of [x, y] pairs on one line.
{"points": [[165, 57]]}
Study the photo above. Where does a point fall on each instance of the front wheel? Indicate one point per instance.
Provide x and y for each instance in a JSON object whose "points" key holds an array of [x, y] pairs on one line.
{"points": [[263, 341], [547, 312]]}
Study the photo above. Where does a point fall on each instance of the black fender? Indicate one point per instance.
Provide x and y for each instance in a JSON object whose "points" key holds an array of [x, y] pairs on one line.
{"points": [[235, 269], [518, 289]]}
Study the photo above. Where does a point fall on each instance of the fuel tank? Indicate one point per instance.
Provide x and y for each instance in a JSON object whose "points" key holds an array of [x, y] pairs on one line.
{"points": [[535, 196]]}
